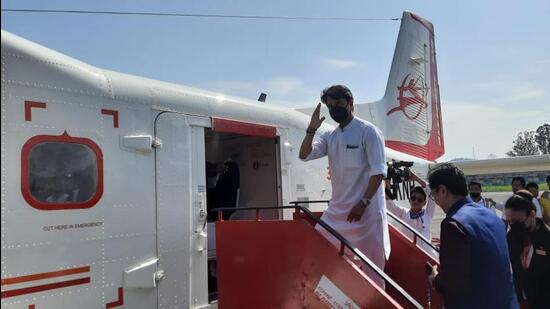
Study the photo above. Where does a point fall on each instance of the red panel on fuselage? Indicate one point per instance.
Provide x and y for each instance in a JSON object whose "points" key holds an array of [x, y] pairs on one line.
{"points": [[244, 128]]}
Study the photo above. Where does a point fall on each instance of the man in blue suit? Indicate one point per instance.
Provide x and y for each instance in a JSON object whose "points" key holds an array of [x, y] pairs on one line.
{"points": [[475, 265]]}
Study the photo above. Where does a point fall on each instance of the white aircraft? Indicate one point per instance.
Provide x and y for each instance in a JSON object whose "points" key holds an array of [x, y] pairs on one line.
{"points": [[104, 189]]}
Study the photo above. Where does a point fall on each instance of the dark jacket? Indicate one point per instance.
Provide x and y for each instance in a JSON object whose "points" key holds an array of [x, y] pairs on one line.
{"points": [[226, 192], [475, 266], [533, 282]]}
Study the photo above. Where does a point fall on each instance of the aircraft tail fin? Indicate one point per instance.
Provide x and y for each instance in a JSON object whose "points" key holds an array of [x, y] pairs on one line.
{"points": [[410, 112]]}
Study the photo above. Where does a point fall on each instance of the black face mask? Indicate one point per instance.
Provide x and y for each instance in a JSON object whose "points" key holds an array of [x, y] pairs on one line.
{"points": [[339, 113], [475, 195]]}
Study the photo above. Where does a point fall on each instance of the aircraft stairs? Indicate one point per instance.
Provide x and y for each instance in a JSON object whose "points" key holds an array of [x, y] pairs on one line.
{"points": [[288, 264]]}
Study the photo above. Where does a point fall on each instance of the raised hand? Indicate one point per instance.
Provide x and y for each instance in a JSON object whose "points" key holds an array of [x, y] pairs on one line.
{"points": [[315, 121]]}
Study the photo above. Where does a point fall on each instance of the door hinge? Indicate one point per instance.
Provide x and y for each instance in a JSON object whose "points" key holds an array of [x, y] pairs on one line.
{"points": [[159, 275], [157, 142]]}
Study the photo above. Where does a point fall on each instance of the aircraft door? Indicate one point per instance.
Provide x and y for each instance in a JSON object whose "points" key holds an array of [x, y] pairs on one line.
{"points": [[181, 210]]}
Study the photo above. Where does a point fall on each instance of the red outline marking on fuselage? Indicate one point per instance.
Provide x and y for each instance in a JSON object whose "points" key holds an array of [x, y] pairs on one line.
{"points": [[32, 104], [118, 302]]}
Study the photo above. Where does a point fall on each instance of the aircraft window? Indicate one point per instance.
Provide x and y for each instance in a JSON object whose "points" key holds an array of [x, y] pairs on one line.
{"points": [[62, 175]]}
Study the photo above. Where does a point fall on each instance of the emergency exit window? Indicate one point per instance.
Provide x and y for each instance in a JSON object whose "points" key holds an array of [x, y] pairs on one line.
{"points": [[61, 174]]}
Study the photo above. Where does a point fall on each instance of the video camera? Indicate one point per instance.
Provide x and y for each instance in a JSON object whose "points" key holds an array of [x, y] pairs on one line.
{"points": [[399, 170], [399, 174]]}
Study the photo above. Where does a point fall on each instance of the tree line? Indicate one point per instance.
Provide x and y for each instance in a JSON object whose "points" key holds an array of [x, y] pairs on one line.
{"points": [[529, 143]]}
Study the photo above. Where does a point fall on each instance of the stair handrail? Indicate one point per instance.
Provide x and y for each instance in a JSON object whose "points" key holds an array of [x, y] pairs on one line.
{"points": [[416, 234]]}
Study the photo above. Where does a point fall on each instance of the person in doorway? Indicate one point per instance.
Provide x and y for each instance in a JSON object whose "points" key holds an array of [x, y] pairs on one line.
{"points": [[417, 216], [529, 245], [213, 173], [355, 150], [228, 188], [475, 265]]}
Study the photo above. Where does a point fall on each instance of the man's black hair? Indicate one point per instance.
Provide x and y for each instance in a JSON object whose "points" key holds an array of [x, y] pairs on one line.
{"points": [[450, 176], [337, 92], [419, 190], [520, 179], [474, 183], [531, 185], [521, 201]]}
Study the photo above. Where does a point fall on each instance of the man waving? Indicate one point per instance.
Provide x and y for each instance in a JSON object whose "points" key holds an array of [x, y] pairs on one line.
{"points": [[356, 158]]}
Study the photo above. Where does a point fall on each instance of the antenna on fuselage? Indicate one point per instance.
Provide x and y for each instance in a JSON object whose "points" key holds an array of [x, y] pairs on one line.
{"points": [[262, 97]]}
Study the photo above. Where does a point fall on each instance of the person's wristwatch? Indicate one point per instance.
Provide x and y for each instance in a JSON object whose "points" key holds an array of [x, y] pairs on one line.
{"points": [[310, 131], [365, 201]]}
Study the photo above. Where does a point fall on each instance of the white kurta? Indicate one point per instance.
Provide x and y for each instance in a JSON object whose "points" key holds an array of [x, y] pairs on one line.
{"points": [[354, 154], [422, 224]]}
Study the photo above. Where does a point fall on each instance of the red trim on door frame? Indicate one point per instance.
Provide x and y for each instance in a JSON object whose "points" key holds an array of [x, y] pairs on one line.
{"points": [[244, 128], [64, 138], [118, 302], [31, 104], [111, 112]]}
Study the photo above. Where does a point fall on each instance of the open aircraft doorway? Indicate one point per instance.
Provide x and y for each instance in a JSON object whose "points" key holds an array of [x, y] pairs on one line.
{"points": [[241, 171]]}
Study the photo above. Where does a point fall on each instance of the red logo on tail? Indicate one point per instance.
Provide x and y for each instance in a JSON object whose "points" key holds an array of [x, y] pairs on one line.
{"points": [[416, 99]]}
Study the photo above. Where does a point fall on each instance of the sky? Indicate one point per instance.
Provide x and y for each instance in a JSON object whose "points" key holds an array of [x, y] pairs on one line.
{"points": [[493, 56]]}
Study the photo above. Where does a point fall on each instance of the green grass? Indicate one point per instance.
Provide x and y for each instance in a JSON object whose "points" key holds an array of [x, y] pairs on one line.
{"points": [[508, 188]]}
